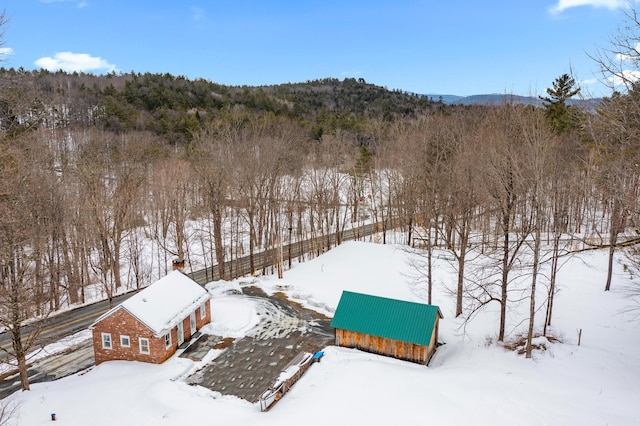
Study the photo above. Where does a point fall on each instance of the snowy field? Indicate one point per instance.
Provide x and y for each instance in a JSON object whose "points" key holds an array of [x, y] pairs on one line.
{"points": [[469, 381]]}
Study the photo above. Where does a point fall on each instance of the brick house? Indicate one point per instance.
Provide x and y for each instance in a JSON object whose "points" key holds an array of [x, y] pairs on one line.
{"points": [[150, 325]]}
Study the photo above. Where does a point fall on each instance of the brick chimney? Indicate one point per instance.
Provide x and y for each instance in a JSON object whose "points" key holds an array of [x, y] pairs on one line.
{"points": [[178, 264]]}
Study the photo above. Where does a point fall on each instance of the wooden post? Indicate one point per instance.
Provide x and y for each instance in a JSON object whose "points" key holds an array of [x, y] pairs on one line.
{"points": [[579, 336]]}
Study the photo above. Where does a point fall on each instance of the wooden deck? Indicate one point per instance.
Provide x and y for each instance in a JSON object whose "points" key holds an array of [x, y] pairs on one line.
{"points": [[289, 376]]}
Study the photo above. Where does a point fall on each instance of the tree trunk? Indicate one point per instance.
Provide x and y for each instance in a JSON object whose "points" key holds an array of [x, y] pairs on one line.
{"points": [[16, 338], [460, 290], [115, 264], [505, 274], [217, 238], [534, 280], [613, 238], [429, 269], [23, 368], [552, 282], [612, 250]]}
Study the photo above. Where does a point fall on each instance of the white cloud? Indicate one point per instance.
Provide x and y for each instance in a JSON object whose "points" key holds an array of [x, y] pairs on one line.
{"points": [[80, 4], [625, 77], [567, 4], [633, 56], [70, 62], [623, 57], [198, 14], [198, 17], [588, 81], [4, 51]]}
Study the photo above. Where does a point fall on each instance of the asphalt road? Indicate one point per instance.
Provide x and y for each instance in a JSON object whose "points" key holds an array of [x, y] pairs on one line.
{"points": [[50, 368], [69, 322], [66, 323]]}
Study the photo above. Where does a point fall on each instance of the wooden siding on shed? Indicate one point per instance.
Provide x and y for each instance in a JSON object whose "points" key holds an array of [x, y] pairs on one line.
{"points": [[389, 347], [383, 346]]}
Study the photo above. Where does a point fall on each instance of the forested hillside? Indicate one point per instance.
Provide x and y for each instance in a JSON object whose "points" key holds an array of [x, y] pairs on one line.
{"points": [[104, 180], [174, 107]]}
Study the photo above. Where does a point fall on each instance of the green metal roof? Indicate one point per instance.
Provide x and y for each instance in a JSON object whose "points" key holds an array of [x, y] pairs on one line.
{"points": [[388, 318]]}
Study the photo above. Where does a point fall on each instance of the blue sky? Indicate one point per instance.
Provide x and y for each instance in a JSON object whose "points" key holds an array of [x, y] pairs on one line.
{"points": [[460, 47]]}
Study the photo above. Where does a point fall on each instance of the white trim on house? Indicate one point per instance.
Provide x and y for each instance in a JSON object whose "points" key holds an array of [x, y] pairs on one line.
{"points": [[203, 310], [107, 343], [143, 342]]}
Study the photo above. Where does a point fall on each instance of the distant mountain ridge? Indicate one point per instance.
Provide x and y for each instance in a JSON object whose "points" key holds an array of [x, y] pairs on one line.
{"points": [[499, 99]]}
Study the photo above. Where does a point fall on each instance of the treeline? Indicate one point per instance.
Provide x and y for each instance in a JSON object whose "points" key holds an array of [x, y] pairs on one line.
{"points": [[174, 107], [104, 180]]}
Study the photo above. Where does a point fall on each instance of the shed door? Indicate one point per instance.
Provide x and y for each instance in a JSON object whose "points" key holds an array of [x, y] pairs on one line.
{"points": [[180, 333]]}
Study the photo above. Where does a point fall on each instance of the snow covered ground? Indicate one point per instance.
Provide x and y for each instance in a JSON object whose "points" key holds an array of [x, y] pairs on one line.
{"points": [[469, 381]]}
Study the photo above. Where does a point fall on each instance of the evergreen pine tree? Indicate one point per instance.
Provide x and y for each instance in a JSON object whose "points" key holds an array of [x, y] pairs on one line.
{"points": [[562, 116]]}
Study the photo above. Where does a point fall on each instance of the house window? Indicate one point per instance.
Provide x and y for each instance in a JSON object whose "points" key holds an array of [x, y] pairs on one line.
{"points": [[106, 341], [167, 339], [203, 310], [125, 342], [144, 346]]}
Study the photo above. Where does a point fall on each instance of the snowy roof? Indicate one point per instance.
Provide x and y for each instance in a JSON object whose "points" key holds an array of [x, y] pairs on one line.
{"points": [[165, 303]]}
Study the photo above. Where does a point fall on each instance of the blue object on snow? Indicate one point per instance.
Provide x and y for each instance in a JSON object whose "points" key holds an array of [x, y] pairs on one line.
{"points": [[318, 355]]}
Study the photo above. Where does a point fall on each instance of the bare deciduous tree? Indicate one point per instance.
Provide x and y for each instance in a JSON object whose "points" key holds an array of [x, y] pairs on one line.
{"points": [[538, 141], [506, 186], [210, 154], [615, 130], [21, 280], [112, 170], [172, 196]]}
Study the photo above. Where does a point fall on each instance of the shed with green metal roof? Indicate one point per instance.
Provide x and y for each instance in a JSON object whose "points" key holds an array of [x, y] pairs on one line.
{"points": [[391, 327]]}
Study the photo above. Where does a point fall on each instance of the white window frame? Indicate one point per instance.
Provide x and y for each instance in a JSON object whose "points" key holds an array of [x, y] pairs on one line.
{"points": [[140, 341], [124, 338], [167, 340], [107, 342], [203, 311]]}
